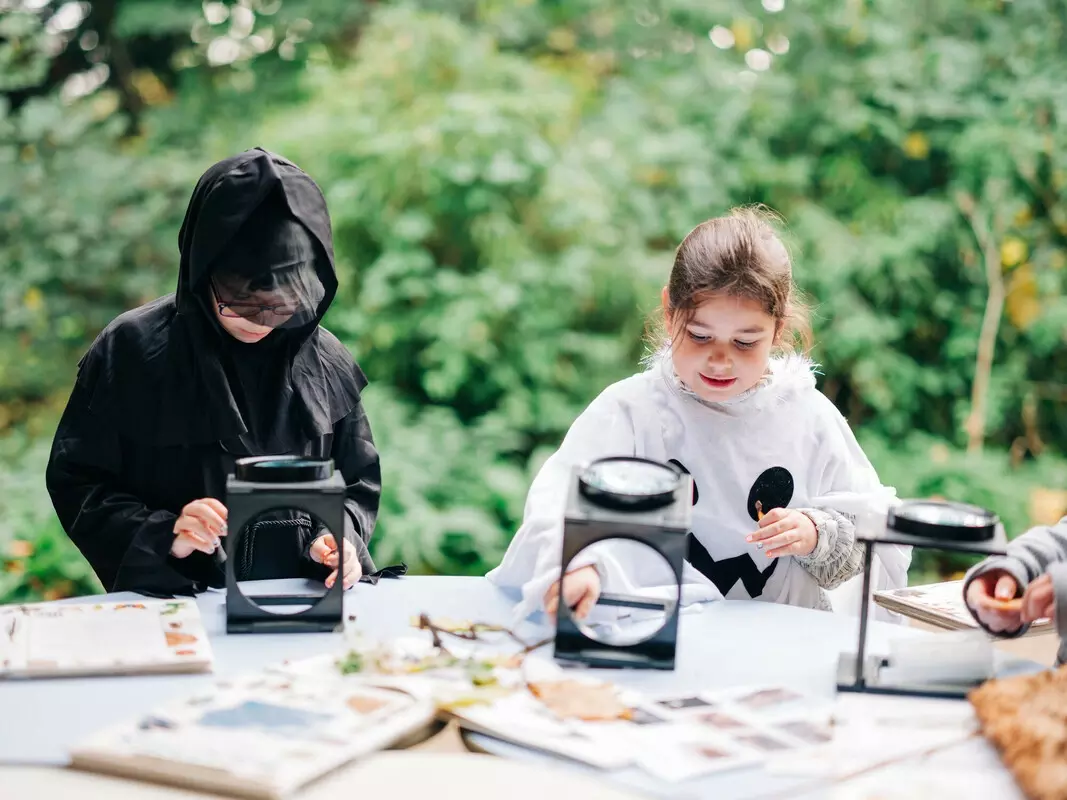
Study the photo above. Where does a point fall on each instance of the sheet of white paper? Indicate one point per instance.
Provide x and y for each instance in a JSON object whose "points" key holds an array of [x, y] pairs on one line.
{"points": [[129, 635]]}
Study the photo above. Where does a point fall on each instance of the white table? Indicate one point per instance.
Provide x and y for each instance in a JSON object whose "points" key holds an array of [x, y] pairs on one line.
{"points": [[722, 645]]}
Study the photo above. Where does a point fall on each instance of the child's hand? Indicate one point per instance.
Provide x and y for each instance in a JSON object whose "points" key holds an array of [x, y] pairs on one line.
{"points": [[199, 527], [324, 551], [785, 532], [991, 596], [581, 588], [1039, 600]]}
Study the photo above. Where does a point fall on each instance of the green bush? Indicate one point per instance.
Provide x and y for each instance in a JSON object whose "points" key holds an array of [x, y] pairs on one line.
{"points": [[507, 183]]}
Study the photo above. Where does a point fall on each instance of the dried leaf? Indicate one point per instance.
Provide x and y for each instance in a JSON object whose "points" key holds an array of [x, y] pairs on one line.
{"points": [[1026, 718], [584, 701]]}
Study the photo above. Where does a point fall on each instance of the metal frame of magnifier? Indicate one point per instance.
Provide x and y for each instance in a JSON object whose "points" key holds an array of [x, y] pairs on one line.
{"points": [[665, 530], [246, 500], [861, 672]]}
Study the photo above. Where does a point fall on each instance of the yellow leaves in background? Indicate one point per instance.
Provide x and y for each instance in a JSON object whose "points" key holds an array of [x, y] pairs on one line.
{"points": [[562, 40], [1047, 506], [744, 35], [33, 300], [19, 548], [651, 176], [103, 104], [150, 87], [1022, 303], [916, 146], [1013, 251]]}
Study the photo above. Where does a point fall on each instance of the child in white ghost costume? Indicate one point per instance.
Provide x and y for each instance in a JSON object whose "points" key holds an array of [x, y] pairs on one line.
{"points": [[780, 482]]}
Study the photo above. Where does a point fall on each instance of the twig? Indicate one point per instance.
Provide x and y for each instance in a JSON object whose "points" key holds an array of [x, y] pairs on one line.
{"points": [[985, 234], [470, 634], [537, 645], [426, 625]]}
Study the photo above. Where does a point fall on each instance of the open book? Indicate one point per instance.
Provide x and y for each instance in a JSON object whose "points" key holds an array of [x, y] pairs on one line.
{"points": [[940, 605], [262, 735], [50, 641]]}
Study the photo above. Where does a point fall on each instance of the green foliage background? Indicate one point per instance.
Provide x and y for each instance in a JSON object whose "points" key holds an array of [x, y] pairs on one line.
{"points": [[507, 182]]}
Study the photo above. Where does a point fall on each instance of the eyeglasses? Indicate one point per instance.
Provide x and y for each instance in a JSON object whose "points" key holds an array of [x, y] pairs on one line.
{"points": [[249, 310]]}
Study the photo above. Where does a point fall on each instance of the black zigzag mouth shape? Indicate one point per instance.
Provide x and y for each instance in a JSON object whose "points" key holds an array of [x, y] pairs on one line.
{"points": [[725, 573]]}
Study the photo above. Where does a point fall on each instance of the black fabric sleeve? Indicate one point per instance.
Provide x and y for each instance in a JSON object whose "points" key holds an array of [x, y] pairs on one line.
{"points": [[126, 543], [356, 458]]}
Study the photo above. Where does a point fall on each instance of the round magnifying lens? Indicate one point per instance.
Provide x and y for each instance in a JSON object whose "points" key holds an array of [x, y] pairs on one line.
{"points": [[632, 613], [283, 469], [941, 519], [629, 483]]}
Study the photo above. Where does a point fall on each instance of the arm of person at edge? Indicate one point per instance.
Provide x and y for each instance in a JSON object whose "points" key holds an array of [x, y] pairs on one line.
{"points": [[356, 458], [1034, 571]]}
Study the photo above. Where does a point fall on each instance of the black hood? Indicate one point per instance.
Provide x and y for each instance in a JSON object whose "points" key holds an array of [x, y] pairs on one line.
{"points": [[228, 196], [168, 372]]}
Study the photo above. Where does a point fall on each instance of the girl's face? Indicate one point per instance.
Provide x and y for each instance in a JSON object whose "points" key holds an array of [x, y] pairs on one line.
{"points": [[241, 329], [724, 349]]}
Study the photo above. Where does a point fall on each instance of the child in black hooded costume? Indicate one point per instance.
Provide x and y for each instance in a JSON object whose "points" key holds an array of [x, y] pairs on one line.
{"points": [[235, 363]]}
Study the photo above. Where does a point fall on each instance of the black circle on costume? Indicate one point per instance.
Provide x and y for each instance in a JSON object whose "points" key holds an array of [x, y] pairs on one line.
{"points": [[773, 489], [685, 469]]}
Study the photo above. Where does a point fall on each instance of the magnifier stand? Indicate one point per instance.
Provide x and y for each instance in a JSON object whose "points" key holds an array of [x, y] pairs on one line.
{"points": [[246, 500], [663, 528], [862, 672]]}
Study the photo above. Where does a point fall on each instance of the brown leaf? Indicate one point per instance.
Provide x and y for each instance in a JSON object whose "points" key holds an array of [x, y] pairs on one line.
{"points": [[577, 700], [1026, 718]]}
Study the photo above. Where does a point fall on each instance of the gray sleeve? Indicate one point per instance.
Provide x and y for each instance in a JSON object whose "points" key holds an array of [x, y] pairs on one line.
{"points": [[1058, 573], [837, 555], [1039, 550]]}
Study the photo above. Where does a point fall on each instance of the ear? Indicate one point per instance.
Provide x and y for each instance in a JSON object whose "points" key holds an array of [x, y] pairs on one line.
{"points": [[779, 329]]}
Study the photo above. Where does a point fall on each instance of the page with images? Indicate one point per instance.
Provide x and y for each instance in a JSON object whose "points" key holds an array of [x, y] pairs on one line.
{"points": [[939, 604], [263, 734], [50, 640]]}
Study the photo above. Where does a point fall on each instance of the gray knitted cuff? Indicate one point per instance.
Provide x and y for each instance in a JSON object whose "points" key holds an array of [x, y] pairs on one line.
{"points": [[826, 542]]}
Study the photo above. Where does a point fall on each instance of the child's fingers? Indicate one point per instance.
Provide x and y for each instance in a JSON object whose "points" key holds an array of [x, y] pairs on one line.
{"points": [[773, 516], [318, 551], [1037, 599], [585, 605], [197, 542], [216, 506], [770, 531], [793, 549], [1006, 588], [194, 532], [207, 512], [780, 542]]}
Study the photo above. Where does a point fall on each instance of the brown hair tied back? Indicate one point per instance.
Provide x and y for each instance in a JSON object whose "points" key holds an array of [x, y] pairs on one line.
{"points": [[740, 255]]}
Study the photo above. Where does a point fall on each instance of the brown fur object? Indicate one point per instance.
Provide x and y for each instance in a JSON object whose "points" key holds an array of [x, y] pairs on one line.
{"points": [[1025, 717]]}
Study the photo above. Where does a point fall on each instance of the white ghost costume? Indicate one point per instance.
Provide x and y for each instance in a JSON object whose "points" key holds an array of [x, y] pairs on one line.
{"points": [[752, 447]]}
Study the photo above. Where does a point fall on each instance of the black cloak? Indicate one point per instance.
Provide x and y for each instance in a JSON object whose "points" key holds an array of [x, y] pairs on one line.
{"points": [[165, 400]]}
